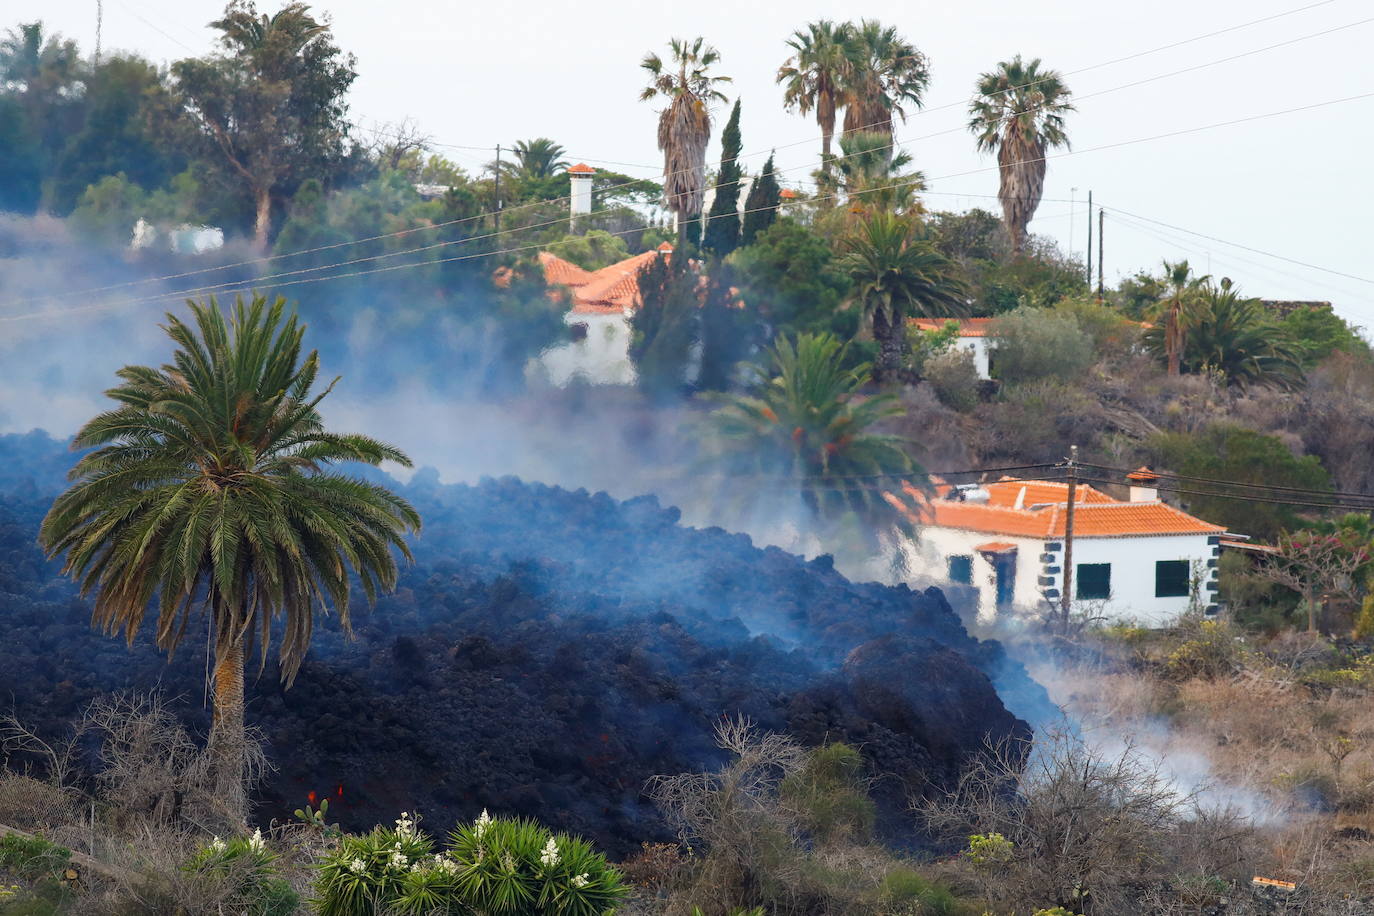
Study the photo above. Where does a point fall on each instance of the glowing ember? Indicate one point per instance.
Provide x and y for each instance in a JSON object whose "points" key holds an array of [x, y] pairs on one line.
{"points": [[311, 796]]}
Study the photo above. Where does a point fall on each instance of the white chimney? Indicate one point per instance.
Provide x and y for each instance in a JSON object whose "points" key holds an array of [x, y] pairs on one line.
{"points": [[580, 195], [1143, 488]]}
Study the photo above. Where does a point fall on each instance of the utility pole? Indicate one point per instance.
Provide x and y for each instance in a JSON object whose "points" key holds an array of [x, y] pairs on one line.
{"points": [[99, 23], [1065, 597], [1090, 240], [498, 191], [1101, 215]]}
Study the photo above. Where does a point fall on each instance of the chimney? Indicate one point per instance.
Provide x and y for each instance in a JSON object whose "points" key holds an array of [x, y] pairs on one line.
{"points": [[1143, 482], [580, 196]]}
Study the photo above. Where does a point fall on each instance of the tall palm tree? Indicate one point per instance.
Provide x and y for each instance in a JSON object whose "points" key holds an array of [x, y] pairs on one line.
{"points": [[883, 73], [684, 127], [210, 490], [812, 76], [1182, 291], [810, 424], [897, 273], [1020, 114], [871, 174]]}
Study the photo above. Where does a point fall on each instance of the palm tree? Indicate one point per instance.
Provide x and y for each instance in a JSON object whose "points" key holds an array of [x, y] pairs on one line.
{"points": [[897, 273], [883, 72], [537, 158], [870, 173], [1020, 114], [684, 127], [810, 424], [812, 76], [272, 42], [210, 490], [1182, 291], [1232, 337]]}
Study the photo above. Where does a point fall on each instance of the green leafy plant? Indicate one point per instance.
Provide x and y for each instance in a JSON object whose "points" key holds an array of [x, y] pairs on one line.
{"points": [[248, 867], [316, 819], [988, 849], [32, 857], [493, 866]]}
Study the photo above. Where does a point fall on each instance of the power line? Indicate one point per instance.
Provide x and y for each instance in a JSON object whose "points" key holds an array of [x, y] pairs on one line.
{"points": [[1309, 491], [893, 186], [1268, 254], [1247, 498], [894, 143]]}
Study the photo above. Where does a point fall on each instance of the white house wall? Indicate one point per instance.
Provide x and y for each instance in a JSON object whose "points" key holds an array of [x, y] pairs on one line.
{"points": [[602, 357], [977, 347], [1132, 576]]}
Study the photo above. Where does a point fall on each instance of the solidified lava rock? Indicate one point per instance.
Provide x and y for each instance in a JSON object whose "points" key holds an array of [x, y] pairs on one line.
{"points": [[547, 653]]}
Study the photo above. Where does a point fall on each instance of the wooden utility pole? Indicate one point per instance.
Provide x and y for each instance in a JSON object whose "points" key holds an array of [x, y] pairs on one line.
{"points": [[1090, 240], [1101, 215], [498, 191], [1066, 596]]}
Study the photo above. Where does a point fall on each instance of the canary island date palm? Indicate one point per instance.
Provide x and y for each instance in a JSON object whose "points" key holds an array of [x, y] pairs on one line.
{"points": [[213, 489], [811, 77], [897, 273], [684, 126], [811, 425], [1019, 114]]}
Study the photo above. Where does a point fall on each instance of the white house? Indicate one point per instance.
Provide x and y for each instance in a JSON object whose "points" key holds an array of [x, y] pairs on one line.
{"points": [[600, 305], [1138, 560], [973, 334]]}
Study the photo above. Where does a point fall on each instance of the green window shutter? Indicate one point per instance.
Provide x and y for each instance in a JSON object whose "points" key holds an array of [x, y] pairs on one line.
{"points": [[1093, 580], [1171, 579]]}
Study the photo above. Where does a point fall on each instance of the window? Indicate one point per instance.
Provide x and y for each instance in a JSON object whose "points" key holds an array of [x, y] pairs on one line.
{"points": [[1004, 567], [1171, 579], [1093, 580], [961, 569]]}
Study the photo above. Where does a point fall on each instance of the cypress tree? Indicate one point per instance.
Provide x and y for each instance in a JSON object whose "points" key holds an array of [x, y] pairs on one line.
{"points": [[664, 327], [762, 206], [722, 226]]}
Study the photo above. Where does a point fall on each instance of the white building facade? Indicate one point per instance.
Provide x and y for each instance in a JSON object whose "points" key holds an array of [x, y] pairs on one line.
{"points": [[1138, 561], [972, 339]]}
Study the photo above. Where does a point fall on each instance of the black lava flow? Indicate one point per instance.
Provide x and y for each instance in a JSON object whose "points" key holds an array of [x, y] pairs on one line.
{"points": [[546, 654]]}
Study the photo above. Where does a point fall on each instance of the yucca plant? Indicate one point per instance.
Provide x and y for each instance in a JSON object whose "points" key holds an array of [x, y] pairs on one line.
{"points": [[248, 867], [493, 867]]}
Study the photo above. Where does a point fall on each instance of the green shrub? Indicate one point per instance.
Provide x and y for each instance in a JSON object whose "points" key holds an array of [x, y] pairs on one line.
{"points": [[32, 857], [831, 794], [955, 379], [247, 871], [905, 890], [504, 866], [1030, 344], [1209, 652]]}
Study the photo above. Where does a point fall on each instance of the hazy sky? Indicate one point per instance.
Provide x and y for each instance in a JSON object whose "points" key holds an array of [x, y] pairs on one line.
{"points": [[1297, 185]]}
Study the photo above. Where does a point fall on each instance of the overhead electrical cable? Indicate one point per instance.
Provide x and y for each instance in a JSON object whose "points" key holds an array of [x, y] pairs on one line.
{"points": [[895, 185], [404, 232]]}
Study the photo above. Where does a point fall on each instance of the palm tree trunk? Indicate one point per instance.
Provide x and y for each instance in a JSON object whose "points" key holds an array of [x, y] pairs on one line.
{"points": [[262, 225], [227, 746], [1173, 342], [888, 334]]}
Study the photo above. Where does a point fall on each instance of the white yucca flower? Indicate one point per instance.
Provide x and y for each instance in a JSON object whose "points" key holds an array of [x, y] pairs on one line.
{"points": [[218, 845], [398, 859], [405, 824], [483, 822], [357, 866], [256, 840], [550, 854], [581, 880]]}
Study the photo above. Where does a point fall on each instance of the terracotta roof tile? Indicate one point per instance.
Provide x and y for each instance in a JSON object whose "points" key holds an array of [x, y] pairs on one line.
{"points": [[581, 169], [563, 273], [968, 327], [1098, 515], [996, 547]]}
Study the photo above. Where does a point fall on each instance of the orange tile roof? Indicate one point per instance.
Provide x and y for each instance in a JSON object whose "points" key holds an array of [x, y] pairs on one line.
{"points": [[608, 291], [1097, 515], [1007, 491], [562, 273], [996, 547], [968, 327], [581, 169]]}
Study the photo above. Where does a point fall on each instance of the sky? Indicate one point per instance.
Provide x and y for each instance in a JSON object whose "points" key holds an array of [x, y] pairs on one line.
{"points": [[1293, 186]]}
